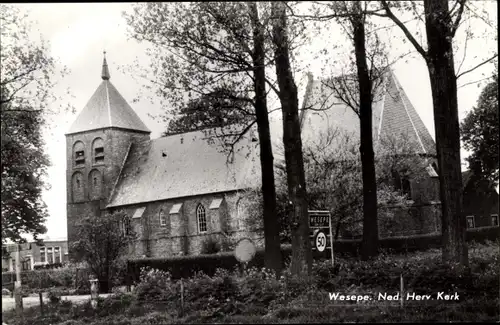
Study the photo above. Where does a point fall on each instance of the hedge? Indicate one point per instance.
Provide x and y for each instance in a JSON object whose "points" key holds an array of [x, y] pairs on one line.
{"points": [[187, 266], [69, 277]]}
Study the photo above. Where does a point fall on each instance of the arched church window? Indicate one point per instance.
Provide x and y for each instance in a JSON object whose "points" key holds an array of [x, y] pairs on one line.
{"points": [[239, 214], [396, 178], [79, 153], [126, 226], [406, 187], [78, 187], [98, 151], [163, 218], [202, 218], [95, 181]]}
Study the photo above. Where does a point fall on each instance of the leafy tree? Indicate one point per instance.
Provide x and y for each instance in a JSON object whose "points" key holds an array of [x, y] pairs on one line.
{"points": [[215, 110], [334, 182], [441, 25], [292, 142], [102, 241], [26, 81], [479, 131], [201, 48]]}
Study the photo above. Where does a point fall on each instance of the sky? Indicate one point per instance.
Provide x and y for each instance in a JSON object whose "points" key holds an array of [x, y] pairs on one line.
{"points": [[78, 34]]}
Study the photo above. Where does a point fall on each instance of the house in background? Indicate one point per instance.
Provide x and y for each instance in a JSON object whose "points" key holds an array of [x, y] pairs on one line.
{"points": [[52, 251], [480, 201]]}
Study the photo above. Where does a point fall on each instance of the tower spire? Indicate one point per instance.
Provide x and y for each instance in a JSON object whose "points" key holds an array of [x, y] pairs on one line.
{"points": [[105, 72]]}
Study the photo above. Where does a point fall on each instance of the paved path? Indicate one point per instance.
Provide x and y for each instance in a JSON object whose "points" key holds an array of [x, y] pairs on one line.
{"points": [[9, 303]]}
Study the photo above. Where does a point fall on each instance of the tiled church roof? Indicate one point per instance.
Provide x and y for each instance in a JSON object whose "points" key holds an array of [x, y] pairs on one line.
{"points": [[107, 108], [184, 165], [392, 114]]}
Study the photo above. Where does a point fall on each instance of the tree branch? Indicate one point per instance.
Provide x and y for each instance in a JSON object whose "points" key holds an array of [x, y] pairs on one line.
{"points": [[477, 66], [405, 30], [459, 17]]}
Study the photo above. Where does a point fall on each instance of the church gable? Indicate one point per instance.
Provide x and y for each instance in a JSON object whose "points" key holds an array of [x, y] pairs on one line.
{"points": [[392, 115]]}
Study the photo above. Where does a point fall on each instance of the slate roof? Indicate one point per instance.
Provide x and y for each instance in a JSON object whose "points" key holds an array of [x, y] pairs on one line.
{"points": [[393, 114], [169, 167], [107, 108]]}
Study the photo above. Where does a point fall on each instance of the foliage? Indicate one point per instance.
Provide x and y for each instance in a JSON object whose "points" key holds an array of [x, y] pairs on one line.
{"points": [[155, 285], [101, 244], [210, 245], [54, 296], [25, 74], [442, 22], [206, 55], [333, 175], [214, 110], [228, 296], [479, 131]]}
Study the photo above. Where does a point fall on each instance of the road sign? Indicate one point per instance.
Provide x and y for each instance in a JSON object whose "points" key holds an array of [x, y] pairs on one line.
{"points": [[320, 222], [320, 241]]}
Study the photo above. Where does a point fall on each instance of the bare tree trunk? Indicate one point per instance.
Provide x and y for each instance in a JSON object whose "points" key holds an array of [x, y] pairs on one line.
{"points": [[444, 95], [369, 246], [301, 245], [272, 256]]}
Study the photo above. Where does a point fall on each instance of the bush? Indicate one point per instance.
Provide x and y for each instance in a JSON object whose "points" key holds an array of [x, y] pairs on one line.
{"points": [[115, 304], [210, 246], [155, 286], [54, 296], [188, 266]]}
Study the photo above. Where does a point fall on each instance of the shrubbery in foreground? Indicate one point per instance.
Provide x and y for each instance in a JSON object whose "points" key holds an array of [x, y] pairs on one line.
{"points": [[255, 295]]}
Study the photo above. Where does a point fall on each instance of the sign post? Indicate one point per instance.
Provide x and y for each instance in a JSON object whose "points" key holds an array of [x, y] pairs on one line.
{"points": [[320, 222], [331, 240]]}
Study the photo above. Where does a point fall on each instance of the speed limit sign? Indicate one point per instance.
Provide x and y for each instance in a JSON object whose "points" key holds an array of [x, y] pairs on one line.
{"points": [[320, 241]]}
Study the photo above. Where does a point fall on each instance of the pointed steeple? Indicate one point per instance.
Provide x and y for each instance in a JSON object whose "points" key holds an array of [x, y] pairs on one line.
{"points": [[105, 72], [107, 108]]}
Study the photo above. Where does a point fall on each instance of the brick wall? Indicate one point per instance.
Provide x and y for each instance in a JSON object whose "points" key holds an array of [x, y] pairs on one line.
{"points": [[116, 143], [181, 234]]}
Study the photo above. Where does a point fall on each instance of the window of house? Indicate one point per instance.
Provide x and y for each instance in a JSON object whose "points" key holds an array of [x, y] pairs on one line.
{"points": [[163, 218], [42, 254], [26, 264], [57, 255], [202, 218], [50, 255], [470, 222], [98, 151], [79, 153], [494, 219]]}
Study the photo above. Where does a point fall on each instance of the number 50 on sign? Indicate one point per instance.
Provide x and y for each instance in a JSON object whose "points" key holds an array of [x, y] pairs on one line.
{"points": [[320, 241]]}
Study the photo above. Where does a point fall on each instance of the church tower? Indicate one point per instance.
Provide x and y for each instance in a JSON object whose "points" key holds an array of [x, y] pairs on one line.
{"points": [[96, 146]]}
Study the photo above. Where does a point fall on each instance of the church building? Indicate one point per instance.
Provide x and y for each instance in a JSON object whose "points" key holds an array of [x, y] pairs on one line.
{"points": [[177, 191]]}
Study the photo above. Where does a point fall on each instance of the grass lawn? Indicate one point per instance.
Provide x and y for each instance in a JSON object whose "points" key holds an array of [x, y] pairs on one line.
{"points": [[253, 298]]}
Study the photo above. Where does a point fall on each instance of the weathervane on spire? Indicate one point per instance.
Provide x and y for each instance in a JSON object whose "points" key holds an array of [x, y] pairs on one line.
{"points": [[105, 72]]}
